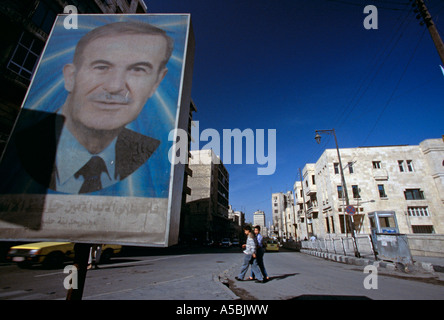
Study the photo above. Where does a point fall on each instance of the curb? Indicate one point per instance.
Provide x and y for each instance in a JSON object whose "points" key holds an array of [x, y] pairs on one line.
{"points": [[426, 267], [222, 280]]}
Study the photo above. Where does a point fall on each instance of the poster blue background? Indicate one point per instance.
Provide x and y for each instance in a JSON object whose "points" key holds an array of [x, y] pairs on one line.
{"points": [[157, 119]]}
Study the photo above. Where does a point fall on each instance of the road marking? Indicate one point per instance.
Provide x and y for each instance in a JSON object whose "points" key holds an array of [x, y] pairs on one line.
{"points": [[112, 265], [137, 262], [132, 289], [48, 274], [21, 295]]}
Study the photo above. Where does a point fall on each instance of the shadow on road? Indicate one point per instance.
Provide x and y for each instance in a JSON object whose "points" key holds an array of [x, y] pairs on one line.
{"points": [[283, 276]]}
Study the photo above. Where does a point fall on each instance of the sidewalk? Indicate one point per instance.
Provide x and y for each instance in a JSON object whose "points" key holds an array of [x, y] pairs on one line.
{"points": [[430, 263], [427, 265]]}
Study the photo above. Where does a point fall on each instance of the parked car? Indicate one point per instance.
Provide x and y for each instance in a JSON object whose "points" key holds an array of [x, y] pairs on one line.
{"points": [[225, 242], [272, 245], [51, 254], [212, 244], [235, 242]]}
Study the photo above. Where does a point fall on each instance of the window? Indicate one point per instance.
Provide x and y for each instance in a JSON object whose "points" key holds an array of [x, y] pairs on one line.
{"points": [[376, 164], [25, 56], [332, 225], [44, 17], [423, 229], [410, 165], [355, 190], [340, 193], [414, 194], [418, 211], [313, 181], [350, 167], [405, 166], [401, 165], [387, 222], [336, 166], [327, 224], [344, 223], [381, 190]]}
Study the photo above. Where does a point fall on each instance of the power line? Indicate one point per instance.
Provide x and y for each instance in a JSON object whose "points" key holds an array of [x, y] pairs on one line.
{"points": [[394, 90], [354, 102], [381, 57]]}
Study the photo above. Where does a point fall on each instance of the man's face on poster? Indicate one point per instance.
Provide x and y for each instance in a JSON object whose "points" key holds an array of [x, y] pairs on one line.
{"points": [[115, 78]]}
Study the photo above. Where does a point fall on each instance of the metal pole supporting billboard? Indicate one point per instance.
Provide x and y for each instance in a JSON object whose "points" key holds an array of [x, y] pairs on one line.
{"points": [[81, 257]]}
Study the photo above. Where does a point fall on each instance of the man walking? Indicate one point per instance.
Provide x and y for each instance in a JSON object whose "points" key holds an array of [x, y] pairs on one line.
{"points": [[250, 257], [260, 251]]}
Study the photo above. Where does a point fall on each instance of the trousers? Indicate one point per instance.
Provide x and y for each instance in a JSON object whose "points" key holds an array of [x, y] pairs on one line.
{"points": [[260, 262], [248, 259]]}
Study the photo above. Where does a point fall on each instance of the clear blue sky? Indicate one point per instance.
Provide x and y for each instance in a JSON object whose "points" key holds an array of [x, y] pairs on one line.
{"points": [[297, 66]]}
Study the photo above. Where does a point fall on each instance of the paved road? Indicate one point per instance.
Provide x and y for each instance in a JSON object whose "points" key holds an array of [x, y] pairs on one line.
{"points": [[296, 274], [151, 274], [194, 275]]}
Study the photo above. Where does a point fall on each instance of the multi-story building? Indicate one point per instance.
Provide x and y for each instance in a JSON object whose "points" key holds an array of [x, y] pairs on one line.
{"points": [[26, 25], [236, 224], [284, 218], [238, 217], [206, 215], [407, 179], [259, 219]]}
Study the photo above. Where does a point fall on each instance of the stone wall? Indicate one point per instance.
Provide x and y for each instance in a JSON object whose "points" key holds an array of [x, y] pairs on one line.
{"points": [[426, 245]]}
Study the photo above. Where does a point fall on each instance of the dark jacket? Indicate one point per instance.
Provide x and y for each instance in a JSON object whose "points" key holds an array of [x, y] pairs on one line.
{"points": [[33, 148]]}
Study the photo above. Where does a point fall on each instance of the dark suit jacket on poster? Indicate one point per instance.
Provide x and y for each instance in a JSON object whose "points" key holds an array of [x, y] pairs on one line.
{"points": [[34, 148]]}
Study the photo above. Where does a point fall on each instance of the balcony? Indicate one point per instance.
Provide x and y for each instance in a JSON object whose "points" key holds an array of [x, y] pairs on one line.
{"points": [[310, 190], [312, 206], [380, 174]]}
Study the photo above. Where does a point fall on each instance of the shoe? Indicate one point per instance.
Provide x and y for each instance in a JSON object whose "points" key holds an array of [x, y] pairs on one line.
{"points": [[238, 279]]}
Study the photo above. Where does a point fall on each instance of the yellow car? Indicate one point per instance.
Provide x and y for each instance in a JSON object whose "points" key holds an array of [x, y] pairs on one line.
{"points": [[272, 245], [51, 254]]}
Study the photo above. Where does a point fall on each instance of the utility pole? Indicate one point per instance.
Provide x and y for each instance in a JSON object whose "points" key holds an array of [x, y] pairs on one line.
{"points": [[423, 12], [347, 201]]}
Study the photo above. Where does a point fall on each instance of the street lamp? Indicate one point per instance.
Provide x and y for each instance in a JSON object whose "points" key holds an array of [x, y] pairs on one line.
{"points": [[347, 201]]}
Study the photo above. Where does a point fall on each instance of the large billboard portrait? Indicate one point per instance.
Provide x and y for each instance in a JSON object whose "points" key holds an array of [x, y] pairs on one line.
{"points": [[88, 157]]}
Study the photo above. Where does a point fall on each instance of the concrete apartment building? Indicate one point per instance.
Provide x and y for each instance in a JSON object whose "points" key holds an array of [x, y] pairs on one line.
{"points": [[238, 217], [284, 215], [237, 221], [259, 219], [407, 179], [205, 216]]}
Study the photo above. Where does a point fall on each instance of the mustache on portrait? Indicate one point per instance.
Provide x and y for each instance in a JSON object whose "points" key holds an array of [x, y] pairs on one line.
{"points": [[111, 97]]}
